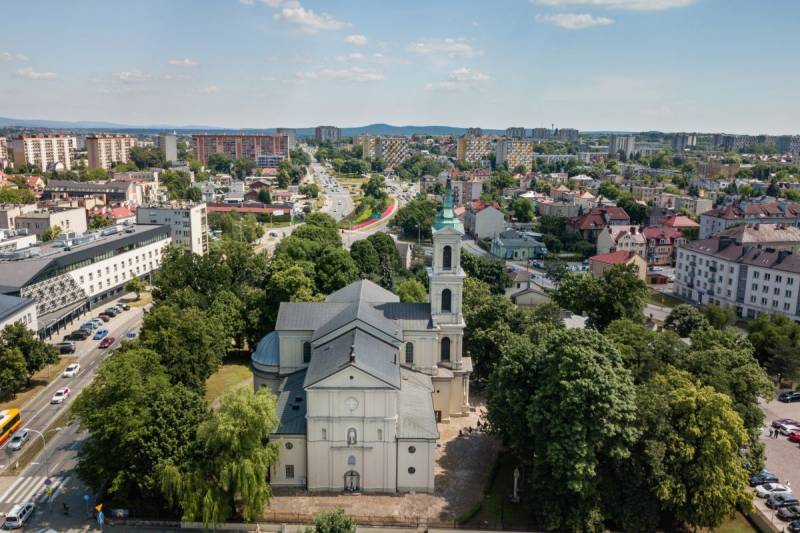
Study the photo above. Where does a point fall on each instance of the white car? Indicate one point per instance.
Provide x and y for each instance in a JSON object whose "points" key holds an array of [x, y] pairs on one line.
{"points": [[60, 395], [18, 515], [71, 371], [767, 489], [787, 429]]}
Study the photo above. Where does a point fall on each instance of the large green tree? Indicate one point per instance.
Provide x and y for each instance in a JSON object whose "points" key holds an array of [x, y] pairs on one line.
{"points": [[776, 340], [685, 319], [411, 290], [13, 371], [488, 270], [226, 476], [644, 351], [366, 257], [335, 269], [416, 218], [38, 353]]}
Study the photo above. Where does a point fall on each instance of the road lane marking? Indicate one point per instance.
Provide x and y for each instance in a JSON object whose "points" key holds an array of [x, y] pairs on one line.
{"points": [[11, 488], [23, 490]]}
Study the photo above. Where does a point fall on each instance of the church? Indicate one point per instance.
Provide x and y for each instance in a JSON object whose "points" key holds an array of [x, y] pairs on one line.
{"points": [[362, 379]]}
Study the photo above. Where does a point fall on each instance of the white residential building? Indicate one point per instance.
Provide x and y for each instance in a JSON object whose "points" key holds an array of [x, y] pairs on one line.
{"points": [[39, 221], [107, 149], [48, 152], [188, 221], [14, 309]]}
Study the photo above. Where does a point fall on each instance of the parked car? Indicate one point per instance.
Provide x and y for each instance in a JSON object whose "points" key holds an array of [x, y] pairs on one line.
{"points": [[794, 527], [131, 335], [104, 317], [77, 335], [124, 307], [18, 515], [794, 436], [101, 333], [790, 512], [66, 347], [90, 325], [60, 395], [789, 396], [111, 311], [762, 491], [765, 476], [106, 343], [71, 371], [782, 499], [777, 423], [19, 439], [785, 429]]}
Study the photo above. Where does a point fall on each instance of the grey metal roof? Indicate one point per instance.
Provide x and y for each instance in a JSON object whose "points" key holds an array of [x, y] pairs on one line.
{"points": [[363, 312], [409, 316], [370, 354], [268, 352], [87, 186], [10, 305], [362, 290], [415, 407], [306, 316], [292, 405]]}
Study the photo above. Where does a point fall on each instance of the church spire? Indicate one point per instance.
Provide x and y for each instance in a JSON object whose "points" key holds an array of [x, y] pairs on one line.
{"points": [[446, 217]]}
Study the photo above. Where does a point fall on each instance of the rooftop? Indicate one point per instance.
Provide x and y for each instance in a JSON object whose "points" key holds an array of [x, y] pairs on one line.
{"points": [[10, 305], [614, 258]]}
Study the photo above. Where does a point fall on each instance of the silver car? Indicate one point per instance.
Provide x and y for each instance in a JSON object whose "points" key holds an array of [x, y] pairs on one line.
{"points": [[18, 440]]}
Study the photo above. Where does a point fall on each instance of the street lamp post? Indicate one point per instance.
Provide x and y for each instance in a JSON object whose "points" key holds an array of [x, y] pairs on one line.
{"points": [[44, 445]]}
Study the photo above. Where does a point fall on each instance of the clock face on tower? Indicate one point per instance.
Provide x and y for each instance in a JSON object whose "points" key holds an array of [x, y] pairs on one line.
{"points": [[351, 404]]}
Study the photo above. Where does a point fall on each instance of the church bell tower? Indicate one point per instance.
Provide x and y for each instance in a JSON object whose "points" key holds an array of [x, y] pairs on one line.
{"points": [[447, 278]]}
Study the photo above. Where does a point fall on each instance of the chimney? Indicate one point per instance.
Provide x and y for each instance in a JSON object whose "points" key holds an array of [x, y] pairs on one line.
{"points": [[725, 241], [352, 353], [633, 230]]}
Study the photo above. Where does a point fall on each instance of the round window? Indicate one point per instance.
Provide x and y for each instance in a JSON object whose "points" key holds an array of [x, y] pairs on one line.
{"points": [[412, 449], [289, 445], [411, 469]]}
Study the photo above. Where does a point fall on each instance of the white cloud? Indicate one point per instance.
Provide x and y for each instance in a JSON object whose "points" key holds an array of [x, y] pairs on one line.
{"points": [[355, 56], [211, 89], [357, 74], [448, 46], [467, 74], [185, 62], [31, 74], [357, 40], [633, 5], [574, 21], [132, 76], [9, 56], [443, 86], [293, 12]]}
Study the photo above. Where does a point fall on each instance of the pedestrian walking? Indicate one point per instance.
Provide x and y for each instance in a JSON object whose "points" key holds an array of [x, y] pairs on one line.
{"points": [[770, 431]]}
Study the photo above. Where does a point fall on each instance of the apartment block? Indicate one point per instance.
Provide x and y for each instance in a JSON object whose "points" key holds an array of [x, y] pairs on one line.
{"points": [[541, 134], [474, 132], [753, 280], [473, 149], [567, 134], [515, 153], [327, 134], [39, 221], [787, 144], [644, 193], [515, 132], [367, 144], [694, 205], [188, 223], [10, 212], [716, 220], [291, 133], [106, 150], [622, 143], [48, 152], [683, 141], [238, 146], [168, 144], [3, 152], [391, 150]]}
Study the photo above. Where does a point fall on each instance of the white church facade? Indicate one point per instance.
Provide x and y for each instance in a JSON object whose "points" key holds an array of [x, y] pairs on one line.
{"points": [[362, 379]]}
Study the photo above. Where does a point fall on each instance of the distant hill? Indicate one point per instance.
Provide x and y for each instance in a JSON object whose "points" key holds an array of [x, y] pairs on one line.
{"points": [[371, 129]]}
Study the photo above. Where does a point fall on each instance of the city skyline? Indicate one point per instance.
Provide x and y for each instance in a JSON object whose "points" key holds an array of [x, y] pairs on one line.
{"points": [[608, 65]]}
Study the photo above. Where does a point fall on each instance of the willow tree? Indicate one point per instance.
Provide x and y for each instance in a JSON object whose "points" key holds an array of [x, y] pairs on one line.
{"points": [[227, 475]]}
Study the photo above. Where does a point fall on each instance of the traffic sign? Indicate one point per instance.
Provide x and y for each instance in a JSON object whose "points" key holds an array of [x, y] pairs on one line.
{"points": [[48, 482]]}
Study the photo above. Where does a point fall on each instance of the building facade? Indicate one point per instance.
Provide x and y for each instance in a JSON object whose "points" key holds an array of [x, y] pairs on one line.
{"points": [[716, 220], [291, 134], [516, 246], [189, 223], [567, 134], [39, 221], [238, 146], [515, 132], [3, 152], [15, 310], [599, 264], [473, 149], [683, 141], [515, 153], [10, 212], [48, 152], [362, 379], [622, 239], [541, 134], [168, 144], [484, 220], [622, 143], [107, 149], [391, 150], [325, 134]]}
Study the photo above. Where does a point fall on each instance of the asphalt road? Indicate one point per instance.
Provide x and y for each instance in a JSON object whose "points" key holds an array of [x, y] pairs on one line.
{"points": [[57, 461], [338, 202]]}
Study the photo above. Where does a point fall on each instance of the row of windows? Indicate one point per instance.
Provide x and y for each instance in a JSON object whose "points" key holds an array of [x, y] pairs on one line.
{"points": [[445, 351]]}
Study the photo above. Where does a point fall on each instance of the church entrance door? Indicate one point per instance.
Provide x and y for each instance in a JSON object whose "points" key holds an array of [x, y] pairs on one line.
{"points": [[352, 481]]}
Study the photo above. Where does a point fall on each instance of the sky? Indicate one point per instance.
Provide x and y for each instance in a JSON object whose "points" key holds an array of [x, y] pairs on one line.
{"points": [[632, 65]]}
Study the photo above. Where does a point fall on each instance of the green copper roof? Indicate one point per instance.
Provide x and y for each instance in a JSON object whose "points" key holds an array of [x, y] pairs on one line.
{"points": [[446, 217]]}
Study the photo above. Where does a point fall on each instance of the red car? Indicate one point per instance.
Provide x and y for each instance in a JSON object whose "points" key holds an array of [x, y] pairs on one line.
{"points": [[107, 342], [794, 436]]}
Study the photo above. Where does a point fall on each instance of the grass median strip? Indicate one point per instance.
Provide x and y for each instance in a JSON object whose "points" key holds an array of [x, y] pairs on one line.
{"points": [[39, 381]]}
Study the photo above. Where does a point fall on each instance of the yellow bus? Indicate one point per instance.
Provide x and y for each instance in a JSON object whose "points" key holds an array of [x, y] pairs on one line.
{"points": [[9, 423]]}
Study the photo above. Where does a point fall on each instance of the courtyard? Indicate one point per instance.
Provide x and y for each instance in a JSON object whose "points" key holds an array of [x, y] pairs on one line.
{"points": [[463, 465]]}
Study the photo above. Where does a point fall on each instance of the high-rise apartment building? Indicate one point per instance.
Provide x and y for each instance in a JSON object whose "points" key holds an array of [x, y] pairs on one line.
{"points": [[3, 152], [291, 133], [568, 134], [787, 144], [474, 132], [541, 134], [168, 144], [622, 143], [327, 134], [238, 146], [107, 149], [188, 222], [391, 150], [367, 144], [515, 153], [682, 141], [45, 151], [515, 132], [473, 149]]}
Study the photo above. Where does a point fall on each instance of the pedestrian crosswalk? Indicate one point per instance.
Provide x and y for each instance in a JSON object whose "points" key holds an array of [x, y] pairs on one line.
{"points": [[32, 488]]}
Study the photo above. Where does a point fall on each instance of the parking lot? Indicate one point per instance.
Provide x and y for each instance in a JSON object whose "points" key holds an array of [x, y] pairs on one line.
{"points": [[782, 456]]}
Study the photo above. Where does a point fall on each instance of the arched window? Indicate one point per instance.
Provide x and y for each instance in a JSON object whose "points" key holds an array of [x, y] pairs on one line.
{"points": [[306, 352], [447, 300], [352, 437], [409, 353], [446, 349], [447, 258], [351, 461]]}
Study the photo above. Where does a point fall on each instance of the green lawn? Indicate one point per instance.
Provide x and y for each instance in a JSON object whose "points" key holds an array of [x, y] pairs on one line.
{"points": [[665, 300], [235, 371], [738, 524]]}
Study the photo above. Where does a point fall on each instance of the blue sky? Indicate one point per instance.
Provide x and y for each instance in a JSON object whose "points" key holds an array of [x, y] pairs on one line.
{"points": [[672, 65]]}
